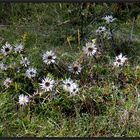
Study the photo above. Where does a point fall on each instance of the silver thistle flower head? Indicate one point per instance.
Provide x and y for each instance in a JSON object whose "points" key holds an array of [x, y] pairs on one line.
{"points": [[120, 60], [31, 73], [18, 48], [90, 49], [70, 86], [49, 57], [24, 61], [6, 49], [3, 66], [75, 68], [47, 84], [23, 99], [7, 82]]}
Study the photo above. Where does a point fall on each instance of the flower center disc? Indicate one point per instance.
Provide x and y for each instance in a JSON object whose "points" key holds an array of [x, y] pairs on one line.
{"points": [[75, 68], [7, 49], [31, 73], [68, 84], [119, 60], [50, 57], [74, 89], [47, 84], [90, 49]]}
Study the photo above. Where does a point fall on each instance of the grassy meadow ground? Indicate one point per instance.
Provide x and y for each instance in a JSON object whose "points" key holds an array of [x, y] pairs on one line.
{"points": [[109, 101]]}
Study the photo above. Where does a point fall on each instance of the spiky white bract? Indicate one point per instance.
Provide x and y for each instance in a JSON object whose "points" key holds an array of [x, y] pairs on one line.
{"points": [[90, 49], [6, 49], [109, 18], [24, 61], [120, 60], [49, 57], [7, 82], [31, 73], [47, 84], [18, 48], [23, 99]]}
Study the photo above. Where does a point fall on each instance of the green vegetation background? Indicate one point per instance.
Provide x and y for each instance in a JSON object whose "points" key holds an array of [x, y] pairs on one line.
{"points": [[58, 25]]}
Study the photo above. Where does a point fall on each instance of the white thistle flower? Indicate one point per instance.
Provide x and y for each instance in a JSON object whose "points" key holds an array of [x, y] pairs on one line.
{"points": [[3, 66], [67, 84], [75, 68], [31, 73], [49, 57], [109, 19], [47, 84], [73, 89], [119, 60], [23, 99], [70, 86], [90, 49], [6, 49], [101, 29], [7, 82], [18, 48], [24, 61]]}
